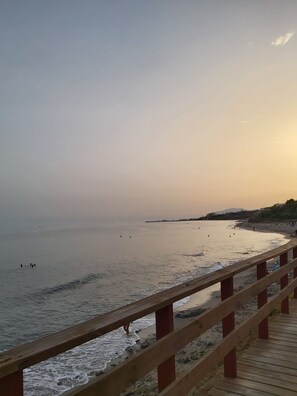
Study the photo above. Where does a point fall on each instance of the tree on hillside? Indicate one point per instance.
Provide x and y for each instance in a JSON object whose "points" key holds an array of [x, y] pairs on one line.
{"points": [[277, 212]]}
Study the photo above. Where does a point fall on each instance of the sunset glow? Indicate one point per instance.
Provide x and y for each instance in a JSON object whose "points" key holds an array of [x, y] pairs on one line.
{"points": [[146, 109]]}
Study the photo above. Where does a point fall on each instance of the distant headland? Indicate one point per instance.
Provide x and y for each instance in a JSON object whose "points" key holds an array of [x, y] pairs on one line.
{"points": [[278, 212]]}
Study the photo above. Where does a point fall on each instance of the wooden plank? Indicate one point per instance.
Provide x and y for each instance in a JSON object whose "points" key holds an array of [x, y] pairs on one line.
{"points": [[278, 351], [278, 354], [280, 322], [239, 389], [286, 345], [46, 347], [285, 330], [277, 335], [279, 358], [294, 309], [283, 336], [268, 366], [276, 346], [268, 373], [269, 360], [288, 324], [257, 386], [291, 318], [283, 323], [220, 392], [280, 383]]}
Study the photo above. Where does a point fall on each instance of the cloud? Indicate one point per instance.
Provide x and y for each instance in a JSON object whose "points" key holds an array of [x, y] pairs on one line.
{"points": [[282, 40], [243, 122]]}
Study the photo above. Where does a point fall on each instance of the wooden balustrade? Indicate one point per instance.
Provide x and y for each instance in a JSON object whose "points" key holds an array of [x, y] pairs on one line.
{"points": [[284, 283], [169, 341], [164, 326], [228, 323], [262, 300]]}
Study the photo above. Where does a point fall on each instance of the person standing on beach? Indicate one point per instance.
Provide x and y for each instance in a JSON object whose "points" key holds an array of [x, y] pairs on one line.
{"points": [[126, 328]]}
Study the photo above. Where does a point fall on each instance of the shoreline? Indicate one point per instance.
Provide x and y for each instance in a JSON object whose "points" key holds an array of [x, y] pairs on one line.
{"points": [[184, 314], [207, 298], [284, 228]]}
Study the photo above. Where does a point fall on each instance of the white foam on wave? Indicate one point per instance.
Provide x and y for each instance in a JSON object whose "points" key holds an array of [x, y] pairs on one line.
{"points": [[77, 366]]}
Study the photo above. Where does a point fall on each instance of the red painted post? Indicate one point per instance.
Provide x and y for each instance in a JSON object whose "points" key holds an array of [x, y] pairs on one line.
{"points": [[284, 283], [165, 325], [262, 299], [228, 326], [295, 270], [12, 385]]}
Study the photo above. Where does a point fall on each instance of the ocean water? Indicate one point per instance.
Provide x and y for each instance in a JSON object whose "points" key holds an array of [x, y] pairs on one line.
{"points": [[84, 272]]}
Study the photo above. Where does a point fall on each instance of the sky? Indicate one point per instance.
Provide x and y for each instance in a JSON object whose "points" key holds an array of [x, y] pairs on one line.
{"points": [[146, 109]]}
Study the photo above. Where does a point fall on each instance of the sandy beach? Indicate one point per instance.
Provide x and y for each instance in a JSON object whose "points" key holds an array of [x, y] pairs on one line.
{"points": [[199, 303], [288, 229]]}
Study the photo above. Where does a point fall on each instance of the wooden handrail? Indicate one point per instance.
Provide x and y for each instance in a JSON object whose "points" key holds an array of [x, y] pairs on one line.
{"points": [[124, 375], [187, 381], [12, 362]]}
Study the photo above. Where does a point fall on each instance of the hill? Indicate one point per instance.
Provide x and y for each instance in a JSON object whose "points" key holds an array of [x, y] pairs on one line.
{"points": [[277, 212], [229, 210], [241, 215]]}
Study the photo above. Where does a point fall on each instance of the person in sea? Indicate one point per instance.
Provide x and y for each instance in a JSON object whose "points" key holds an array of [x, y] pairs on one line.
{"points": [[126, 328]]}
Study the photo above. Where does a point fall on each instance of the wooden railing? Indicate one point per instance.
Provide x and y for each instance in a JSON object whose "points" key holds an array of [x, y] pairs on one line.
{"points": [[161, 354]]}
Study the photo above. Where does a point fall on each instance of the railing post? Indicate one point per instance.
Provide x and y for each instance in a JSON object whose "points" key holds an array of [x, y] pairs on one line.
{"points": [[284, 283], [262, 299], [228, 326], [165, 325], [12, 384], [295, 270]]}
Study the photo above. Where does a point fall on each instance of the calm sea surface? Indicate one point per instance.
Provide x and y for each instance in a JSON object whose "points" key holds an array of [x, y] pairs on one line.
{"points": [[84, 272]]}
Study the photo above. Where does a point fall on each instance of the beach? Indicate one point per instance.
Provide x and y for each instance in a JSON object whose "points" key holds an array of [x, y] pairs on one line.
{"points": [[286, 228], [83, 273], [199, 303]]}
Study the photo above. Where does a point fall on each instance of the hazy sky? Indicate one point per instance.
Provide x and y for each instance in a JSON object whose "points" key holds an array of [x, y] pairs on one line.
{"points": [[146, 108]]}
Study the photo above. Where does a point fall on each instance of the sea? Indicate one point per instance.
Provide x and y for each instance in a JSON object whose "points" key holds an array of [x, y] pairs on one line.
{"points": [[51, 279]]}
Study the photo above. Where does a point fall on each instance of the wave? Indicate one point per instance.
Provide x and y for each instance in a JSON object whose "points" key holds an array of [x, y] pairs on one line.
{"points": [[74, 284], [216, 266], [213, 267], [200, 254]]}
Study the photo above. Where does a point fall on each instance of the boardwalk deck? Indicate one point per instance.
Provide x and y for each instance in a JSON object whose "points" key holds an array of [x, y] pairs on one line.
{"points": [[267, 367]]}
